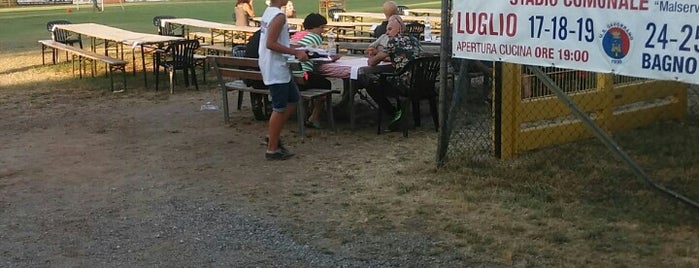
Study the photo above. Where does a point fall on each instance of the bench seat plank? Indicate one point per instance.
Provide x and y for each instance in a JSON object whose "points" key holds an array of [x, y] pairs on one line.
{"points": [[114, 63]]}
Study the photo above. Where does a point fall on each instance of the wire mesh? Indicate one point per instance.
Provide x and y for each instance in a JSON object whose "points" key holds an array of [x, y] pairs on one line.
{"points": [[470, 117], [510, 111], [570, 80], [693, 104]]}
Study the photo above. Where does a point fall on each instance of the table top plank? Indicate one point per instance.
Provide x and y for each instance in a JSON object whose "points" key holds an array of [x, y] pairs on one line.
{"points": [[210, 25], [116, 34], [334, 24], [431, 11], [381, 16]]}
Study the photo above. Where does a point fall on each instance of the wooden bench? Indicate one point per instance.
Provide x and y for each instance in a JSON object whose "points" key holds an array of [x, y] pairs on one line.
{"points": [[212, 38], [112, 63], [237, 68], [353, 47], [217, 49], [351, 38]]}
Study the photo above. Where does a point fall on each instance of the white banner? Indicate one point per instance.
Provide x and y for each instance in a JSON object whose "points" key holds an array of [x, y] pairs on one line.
{"points": [[644, 38]]}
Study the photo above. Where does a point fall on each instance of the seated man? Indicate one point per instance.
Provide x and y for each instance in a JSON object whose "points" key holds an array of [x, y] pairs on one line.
{"points": [[400, 49], [390, 8]]}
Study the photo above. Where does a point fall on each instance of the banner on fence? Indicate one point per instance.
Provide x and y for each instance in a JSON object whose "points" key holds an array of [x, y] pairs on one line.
{"points": [[644, 38]]}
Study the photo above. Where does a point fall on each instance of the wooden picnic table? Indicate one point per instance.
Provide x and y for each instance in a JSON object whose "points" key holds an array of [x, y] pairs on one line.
{"points": [[361, 16], [333, 24], [424, 11], [119, 37], [215, 28], [349, 68]]}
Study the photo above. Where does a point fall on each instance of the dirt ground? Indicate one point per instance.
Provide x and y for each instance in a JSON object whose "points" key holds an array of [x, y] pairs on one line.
{"points": [[91, 178]]}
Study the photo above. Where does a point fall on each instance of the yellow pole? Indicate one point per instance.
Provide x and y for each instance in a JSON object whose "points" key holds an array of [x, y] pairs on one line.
{"points": [[511, 99]]}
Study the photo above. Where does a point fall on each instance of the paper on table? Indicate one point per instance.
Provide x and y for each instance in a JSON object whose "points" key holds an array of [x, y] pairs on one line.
{"points": [[320, 54], [355, 65], [314, 50], [359, 63]]}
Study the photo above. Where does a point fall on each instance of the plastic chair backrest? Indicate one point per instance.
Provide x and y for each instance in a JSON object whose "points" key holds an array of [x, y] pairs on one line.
{"points": [[332, 11], [50, 24], [423, 76], [415, 29], [57, 35], [182, 52], [239, 51], [164, 29]]}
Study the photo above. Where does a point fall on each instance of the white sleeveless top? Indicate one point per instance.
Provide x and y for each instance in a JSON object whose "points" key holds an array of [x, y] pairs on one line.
{"points": [[273, 65]]}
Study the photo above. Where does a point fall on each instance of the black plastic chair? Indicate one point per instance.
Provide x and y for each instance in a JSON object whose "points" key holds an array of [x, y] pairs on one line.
{"points": [[239, 51], [332, 11], [423, 73], [177, 56], [415, 29], [167, 29], [62, 36]]}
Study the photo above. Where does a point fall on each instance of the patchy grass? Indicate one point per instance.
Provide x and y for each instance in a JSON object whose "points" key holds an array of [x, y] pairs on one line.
{"points": [[571, 205]]}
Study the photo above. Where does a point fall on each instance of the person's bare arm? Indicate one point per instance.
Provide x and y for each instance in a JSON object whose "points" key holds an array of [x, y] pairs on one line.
{"points": [[374, 60], [273, 31]]}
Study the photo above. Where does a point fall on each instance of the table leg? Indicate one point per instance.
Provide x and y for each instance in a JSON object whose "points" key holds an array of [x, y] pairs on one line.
{"points": [[133, 60], [143, 63], [351, 91]]}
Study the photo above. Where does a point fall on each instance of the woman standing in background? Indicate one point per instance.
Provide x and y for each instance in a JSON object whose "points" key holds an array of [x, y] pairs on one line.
{"points": [[244, 12]]}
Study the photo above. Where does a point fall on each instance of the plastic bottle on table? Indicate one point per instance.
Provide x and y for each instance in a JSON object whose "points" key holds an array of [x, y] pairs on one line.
{"points": [[428, 29], [332, 46]]}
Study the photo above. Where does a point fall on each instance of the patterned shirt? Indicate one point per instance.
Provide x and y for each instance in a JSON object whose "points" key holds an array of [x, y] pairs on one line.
{"points": [[402, 49]]}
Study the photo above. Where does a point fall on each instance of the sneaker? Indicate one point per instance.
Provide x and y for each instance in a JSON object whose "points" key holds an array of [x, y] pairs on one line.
{"points": [[279, 155], [395, 123], [313, 124], [279, 144]]}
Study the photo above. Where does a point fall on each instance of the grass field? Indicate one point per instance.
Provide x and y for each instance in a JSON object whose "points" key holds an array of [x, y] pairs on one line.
{"points": [[572, 205], [29, 24]]}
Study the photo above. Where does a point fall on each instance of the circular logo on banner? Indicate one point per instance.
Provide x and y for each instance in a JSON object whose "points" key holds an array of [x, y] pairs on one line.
{"points": [[616, 41]]}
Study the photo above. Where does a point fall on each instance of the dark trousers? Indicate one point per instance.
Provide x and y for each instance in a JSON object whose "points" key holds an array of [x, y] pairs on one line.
{"points": [[379, 92], [314, 80]]}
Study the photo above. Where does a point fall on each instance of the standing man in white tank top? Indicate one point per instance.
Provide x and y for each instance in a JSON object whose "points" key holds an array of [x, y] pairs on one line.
{"points": [[274, 42]]}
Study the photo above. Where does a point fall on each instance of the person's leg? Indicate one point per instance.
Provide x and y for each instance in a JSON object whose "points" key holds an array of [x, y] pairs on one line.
{"points": [[284, 99], [377, 93], [317, 81], [370, 70]]}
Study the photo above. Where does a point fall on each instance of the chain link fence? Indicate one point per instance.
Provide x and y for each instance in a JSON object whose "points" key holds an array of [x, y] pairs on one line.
{"points": [[506, 112]]}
